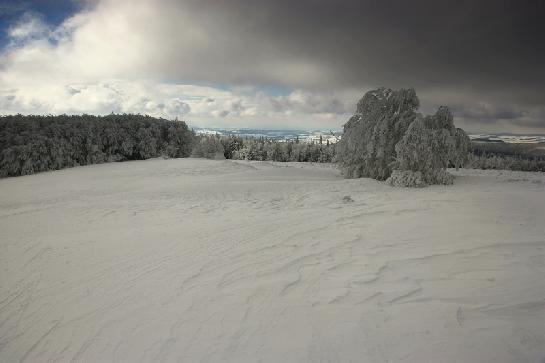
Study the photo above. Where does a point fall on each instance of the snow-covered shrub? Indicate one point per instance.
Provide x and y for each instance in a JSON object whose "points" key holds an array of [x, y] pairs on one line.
{"points": [[441, 176], [387, 134], [209, 147], [406, 178], [240, 154]]}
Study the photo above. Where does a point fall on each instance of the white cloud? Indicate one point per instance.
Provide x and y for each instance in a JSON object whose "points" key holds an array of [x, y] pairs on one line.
{"points": [[200, 105], [30, 26], [138, 56]]}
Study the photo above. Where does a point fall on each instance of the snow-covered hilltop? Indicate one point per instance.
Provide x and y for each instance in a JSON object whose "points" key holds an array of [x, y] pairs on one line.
{"points": [[199, 260]]}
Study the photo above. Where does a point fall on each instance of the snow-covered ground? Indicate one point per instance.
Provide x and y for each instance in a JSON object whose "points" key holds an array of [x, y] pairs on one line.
{"points": [[196, 260]]}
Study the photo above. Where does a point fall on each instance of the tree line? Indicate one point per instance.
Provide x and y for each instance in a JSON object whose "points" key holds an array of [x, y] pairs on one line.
{"points": [[489, 155], [32, 144], [263, 149], [504, 156]]}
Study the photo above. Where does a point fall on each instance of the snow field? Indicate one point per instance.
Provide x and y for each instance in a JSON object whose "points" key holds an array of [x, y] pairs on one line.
{"points": [[197, 260]]}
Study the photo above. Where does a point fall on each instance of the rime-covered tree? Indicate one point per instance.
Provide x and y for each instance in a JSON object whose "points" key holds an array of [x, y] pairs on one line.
{"points": [[460, 155], [367, 146], [231, 144], [209, 147], [387, 138]]}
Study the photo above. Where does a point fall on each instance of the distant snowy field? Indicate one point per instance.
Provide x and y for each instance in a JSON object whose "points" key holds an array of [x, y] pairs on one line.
{"points": [[196, 260], [334, 135]]}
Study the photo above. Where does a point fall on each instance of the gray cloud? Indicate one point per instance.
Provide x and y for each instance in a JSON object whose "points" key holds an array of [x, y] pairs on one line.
{"points": [[491, 113], [432, 43]]}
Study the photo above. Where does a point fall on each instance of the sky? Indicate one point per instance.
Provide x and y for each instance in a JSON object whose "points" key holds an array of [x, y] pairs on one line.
{"points": [[274, 63]]}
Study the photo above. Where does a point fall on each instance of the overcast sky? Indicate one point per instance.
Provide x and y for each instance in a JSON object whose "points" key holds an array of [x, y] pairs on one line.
{"points": [[274, 63]]}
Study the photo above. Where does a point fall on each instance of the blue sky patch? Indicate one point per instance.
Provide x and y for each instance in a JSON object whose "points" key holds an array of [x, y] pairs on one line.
{"points": [[53, 12]]}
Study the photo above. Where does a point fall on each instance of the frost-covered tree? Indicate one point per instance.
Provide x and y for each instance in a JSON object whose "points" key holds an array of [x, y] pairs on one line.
{"points": [[209, 147], [367, 147], [388, 139], [32, 144], [423, 150], [460, 155]]}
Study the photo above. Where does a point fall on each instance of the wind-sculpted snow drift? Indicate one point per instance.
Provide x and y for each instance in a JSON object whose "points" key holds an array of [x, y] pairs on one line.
{"points": [[195, 260], [388, 140]]}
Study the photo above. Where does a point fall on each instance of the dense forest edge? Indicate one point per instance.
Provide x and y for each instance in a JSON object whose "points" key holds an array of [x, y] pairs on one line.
{"points": [[33, 144]]}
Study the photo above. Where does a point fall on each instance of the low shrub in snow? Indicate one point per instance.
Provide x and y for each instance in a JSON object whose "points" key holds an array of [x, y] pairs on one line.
{"points": [[406, 178]]}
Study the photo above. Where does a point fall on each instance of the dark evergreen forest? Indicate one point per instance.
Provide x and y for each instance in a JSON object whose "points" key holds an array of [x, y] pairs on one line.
{"points": [[31, 144], [504, 156]]}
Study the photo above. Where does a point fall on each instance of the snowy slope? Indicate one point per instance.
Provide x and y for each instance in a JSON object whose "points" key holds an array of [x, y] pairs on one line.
{"points": [[196, 260]]}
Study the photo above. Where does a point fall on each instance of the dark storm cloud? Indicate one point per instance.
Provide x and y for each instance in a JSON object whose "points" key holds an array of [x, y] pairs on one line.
{"points": [[487, 112], [493, 49], [430, 43]]}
